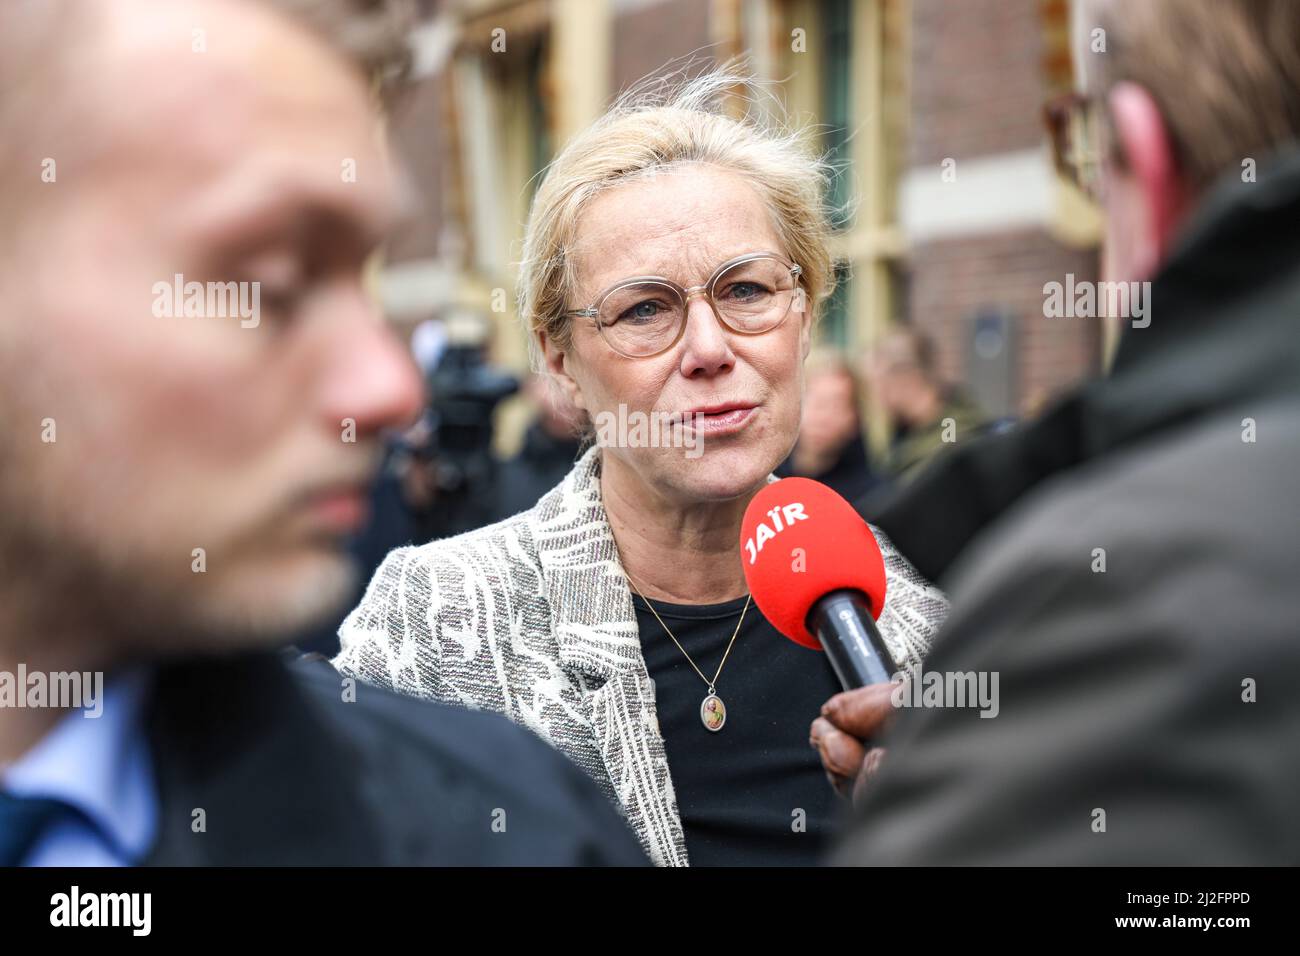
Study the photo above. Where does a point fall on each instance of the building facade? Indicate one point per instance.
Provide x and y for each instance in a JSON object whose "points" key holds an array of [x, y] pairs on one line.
{"points": [[949, 213]]}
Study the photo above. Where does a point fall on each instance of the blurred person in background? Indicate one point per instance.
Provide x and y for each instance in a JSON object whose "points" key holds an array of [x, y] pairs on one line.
{"points": [[925, 414], [1127, 563], [674, 261], [453, 482], [231, 457], [831, 446], [551, 445]]}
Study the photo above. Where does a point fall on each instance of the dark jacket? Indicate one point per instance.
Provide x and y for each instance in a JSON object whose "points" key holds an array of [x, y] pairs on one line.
{"points": [[541, 464], [288, 773], [851, 476], [1157, 698]]}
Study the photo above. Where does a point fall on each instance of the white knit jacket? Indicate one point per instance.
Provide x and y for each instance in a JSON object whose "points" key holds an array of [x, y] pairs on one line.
{"points": [[532, 617]]}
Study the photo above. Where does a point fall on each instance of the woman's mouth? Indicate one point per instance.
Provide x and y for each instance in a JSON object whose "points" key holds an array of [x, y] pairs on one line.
{"points": [[719, 419]]}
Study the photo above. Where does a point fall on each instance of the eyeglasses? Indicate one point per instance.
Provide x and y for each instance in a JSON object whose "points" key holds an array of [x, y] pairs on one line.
{"points": [[1076, 125], [646, 315]]}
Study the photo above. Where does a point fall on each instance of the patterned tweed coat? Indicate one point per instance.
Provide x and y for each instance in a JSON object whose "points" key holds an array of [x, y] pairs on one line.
{"points": [[532, 617]]}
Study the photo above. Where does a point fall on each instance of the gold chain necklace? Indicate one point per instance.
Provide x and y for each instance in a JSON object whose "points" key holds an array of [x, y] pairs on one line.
{"points": [[713, 712]]}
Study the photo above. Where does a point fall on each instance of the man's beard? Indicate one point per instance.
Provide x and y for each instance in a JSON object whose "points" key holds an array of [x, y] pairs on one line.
{"points": [[58, 578]]}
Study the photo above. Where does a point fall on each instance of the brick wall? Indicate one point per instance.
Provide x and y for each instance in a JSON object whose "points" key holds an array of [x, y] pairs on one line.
{"points": [[646, 38], [977, 82], [953, 280], [978, 85], [419, 132]]}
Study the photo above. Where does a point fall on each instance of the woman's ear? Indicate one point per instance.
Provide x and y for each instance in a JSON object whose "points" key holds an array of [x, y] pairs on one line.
{"points": [[557, 364]]}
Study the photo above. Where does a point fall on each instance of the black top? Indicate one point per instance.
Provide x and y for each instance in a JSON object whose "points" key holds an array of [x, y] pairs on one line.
{"points": [[739, 789]]}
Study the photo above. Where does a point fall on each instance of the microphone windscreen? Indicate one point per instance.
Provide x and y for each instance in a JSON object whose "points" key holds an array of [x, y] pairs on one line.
{"points": [[800, 541]]}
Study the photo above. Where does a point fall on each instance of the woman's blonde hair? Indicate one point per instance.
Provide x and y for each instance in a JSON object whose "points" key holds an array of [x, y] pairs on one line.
{"points": [[660, 125]]}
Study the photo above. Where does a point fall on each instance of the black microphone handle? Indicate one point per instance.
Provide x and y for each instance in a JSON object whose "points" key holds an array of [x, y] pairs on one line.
{"points": [[843, 623]]}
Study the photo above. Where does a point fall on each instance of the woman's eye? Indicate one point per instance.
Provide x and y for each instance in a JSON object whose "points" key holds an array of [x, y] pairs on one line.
{"points": [[641, 312], [743, 291]]}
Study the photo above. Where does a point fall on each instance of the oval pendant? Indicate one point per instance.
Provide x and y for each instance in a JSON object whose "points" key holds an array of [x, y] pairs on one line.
{"points": [[713, 712]]}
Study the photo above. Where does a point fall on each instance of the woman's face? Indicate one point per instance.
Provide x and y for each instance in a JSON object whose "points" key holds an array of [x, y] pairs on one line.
{"points": [[682, 225]]}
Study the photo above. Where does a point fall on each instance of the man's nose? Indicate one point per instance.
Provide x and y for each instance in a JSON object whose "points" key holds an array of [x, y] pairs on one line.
{"points": [[370, 378]]}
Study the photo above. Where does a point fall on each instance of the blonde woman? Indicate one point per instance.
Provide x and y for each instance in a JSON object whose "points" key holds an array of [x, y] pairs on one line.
{"points": [[674, 263]]}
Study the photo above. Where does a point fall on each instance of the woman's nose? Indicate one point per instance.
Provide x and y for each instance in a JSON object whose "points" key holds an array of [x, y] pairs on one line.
{"points": [[707, 349]]}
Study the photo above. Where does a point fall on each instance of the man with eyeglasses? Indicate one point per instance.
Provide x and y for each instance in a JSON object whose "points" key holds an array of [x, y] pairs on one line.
{"points": [[1127, 563]]}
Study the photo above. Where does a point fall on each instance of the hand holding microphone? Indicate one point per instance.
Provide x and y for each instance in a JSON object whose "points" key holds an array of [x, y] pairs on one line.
{"points": [[817, 574], [840, 736]]}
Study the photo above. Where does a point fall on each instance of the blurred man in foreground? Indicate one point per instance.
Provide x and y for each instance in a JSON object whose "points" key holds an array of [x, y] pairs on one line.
{"points": [[1127, 564], [181, 467]]}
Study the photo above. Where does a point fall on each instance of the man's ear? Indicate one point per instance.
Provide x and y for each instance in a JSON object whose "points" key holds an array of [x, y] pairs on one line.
{"points": [[557, 364], [1148, 153]]}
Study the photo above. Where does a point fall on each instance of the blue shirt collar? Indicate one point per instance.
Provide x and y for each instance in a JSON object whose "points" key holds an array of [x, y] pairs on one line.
{"points": [[100, 765]]}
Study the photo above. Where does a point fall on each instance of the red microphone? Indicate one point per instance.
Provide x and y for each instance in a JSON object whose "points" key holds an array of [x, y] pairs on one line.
{"points": [[816, 572]]}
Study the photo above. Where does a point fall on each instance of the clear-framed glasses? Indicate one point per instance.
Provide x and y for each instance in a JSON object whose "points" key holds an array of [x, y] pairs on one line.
{"points": [[646, 315]]}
